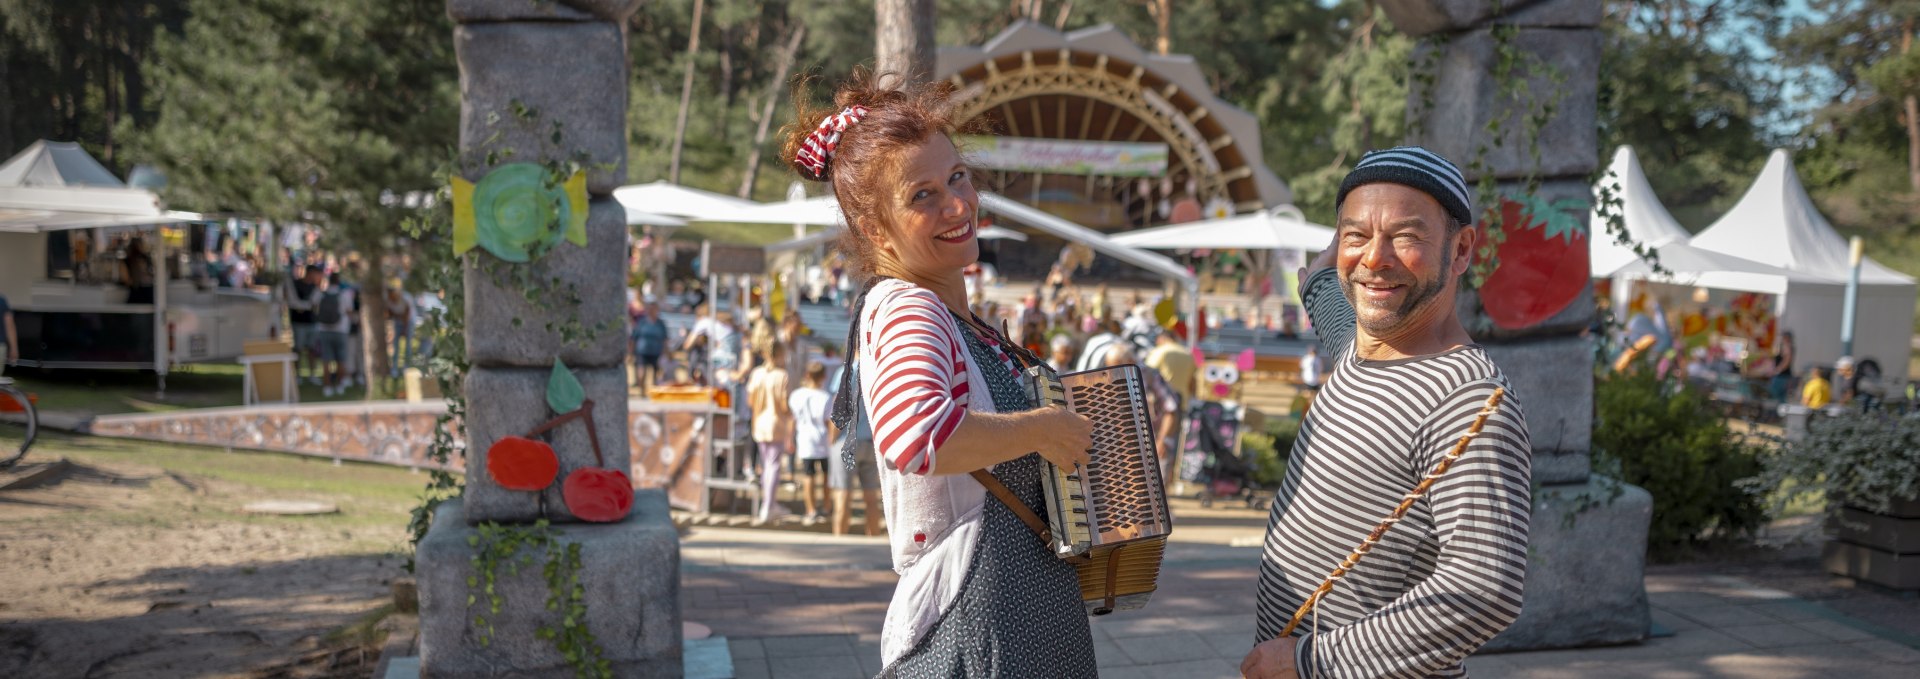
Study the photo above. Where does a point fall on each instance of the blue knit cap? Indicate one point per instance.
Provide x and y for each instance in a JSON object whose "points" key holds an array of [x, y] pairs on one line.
{"points": [[1414, 167]]}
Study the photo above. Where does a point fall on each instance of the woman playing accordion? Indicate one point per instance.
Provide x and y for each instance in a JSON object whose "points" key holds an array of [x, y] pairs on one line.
{"points": [[980, 594]]}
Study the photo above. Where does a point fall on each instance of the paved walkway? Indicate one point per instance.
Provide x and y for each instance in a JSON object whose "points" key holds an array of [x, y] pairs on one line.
{"points": [[806, 605]]}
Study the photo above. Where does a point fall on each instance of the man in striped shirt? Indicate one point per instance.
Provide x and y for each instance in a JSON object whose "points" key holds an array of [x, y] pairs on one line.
{"points": [[1406, 384]]}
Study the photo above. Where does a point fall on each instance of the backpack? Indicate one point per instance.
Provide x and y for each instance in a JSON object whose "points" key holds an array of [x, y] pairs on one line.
{"points": [[328, 311]]}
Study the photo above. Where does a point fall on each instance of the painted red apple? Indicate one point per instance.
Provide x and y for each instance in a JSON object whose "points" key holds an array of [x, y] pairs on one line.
{"points": [[518, 463], [1543, 263], [598, 495]]}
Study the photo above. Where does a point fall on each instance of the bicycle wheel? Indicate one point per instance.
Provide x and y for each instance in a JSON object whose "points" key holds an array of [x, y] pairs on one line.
{"points": [[18, 425]]}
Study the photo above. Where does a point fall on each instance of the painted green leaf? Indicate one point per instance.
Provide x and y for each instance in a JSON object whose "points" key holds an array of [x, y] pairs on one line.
{"points": [[564, 393]]}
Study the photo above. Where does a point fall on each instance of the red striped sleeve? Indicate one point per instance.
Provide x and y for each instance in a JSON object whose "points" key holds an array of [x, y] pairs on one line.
{"points": [[917, 396]]}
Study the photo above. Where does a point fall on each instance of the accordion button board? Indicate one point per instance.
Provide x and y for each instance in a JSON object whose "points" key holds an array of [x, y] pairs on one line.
{"points": [[1110, 518]]}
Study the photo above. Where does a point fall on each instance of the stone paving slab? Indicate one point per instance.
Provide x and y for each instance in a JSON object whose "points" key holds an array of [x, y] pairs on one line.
{"points": [[817, 619]]}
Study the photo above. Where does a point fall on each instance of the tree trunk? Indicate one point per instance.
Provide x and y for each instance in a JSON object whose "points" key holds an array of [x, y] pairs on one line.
{"points": [[1912, 106], [686, 94], [780, 69], [1163, 20], [903, 39], [373, 326]]}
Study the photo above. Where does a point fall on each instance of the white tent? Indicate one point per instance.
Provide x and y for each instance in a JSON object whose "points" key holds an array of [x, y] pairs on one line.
{"points": [[1648, 223], [56, 186], [1776, 223], [672, 200], [1280, 229], [818, 211]]}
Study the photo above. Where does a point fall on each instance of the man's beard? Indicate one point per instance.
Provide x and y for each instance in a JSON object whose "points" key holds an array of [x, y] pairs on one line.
{"points": [[1420, 293]]}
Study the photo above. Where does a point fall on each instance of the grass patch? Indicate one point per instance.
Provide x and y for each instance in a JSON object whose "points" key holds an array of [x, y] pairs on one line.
{"points": [[370, 496], [112, 392]]}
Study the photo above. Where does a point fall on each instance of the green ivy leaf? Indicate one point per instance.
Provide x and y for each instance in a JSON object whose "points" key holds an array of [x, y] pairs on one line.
{"points": [[564, 393]]}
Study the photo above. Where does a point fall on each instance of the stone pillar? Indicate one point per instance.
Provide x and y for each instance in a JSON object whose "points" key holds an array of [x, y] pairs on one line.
{"points": [[541, 81], [1588, 538]]}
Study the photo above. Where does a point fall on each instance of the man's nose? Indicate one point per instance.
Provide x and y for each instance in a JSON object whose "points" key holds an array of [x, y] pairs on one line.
{"points": [[1377, 254]]}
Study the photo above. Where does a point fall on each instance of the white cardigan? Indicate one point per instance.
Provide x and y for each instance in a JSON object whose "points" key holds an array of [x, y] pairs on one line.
{"points": [[945, 510]]}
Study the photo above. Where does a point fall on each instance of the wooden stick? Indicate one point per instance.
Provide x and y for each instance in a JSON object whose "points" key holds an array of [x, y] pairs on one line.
{"points": [[1406, 503], [584, 412]]}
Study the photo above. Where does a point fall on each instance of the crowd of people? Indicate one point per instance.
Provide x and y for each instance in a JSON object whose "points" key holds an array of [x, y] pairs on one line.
{"points": [[785, 375], [324, 311], [1770, 378]]}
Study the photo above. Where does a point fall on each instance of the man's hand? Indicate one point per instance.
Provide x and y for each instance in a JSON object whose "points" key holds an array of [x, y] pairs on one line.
{"points": [[1327, 259], [1272, 659]]}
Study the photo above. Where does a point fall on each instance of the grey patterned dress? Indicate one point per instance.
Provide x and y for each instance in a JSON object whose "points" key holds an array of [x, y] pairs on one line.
{"points": [[1018, 613]]}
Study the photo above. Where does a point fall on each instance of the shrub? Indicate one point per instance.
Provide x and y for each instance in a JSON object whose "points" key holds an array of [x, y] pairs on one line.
{"points": [[1665, 436], [1267, 450], [1870, 459]]}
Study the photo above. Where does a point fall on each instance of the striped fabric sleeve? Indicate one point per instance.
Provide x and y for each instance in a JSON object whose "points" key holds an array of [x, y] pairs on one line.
{"points": [[1480, 509], [1328, 309], [917, 396]]}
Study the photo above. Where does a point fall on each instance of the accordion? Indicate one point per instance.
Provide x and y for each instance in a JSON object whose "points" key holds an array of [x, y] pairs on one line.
{"points": [[1110, 520]]}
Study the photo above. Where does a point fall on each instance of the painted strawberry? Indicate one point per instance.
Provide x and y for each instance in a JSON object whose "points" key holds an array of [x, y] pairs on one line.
{"points": [[1542, 263]]}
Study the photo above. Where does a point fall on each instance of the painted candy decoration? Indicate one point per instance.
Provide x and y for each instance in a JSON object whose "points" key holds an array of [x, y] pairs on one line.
{"points": [[1542, 265], [598, 495], [518, 463], [515, 212]]}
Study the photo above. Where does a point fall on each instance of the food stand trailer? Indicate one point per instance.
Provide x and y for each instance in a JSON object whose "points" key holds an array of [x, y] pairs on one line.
{"points": [[63, 230]]}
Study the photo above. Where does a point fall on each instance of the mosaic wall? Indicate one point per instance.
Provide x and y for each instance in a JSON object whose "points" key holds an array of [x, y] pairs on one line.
{"points": [[669, 440]]}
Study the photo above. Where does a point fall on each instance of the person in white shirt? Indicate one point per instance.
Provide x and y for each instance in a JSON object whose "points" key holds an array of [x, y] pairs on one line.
{"points": [[812, 430]]}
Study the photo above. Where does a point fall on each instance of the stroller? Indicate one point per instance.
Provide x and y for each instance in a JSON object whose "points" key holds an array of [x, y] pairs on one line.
{"points": [[1212, 459]]}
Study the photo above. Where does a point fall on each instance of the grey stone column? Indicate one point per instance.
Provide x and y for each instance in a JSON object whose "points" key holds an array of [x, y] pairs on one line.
{"points": [[1588, 536], [542, 81]]}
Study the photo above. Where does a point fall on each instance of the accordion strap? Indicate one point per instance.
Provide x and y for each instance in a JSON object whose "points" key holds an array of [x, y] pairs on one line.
{"points": [[1020, 509]]}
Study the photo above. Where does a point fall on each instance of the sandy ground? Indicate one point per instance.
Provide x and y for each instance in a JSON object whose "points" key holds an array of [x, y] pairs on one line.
{"points": [[131, 570]]}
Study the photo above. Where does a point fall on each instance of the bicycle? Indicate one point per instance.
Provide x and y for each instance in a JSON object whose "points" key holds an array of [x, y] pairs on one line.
{"points": [[17, 427]]}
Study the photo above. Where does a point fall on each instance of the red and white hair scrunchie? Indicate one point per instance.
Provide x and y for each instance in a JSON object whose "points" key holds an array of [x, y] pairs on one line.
{"points": [[817, 151]]}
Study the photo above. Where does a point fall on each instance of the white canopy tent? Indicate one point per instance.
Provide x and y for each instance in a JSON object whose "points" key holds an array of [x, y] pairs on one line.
{"points": [[1776, 223], [1648, 222], [1274, 229], [672, 200], [819, 211]]}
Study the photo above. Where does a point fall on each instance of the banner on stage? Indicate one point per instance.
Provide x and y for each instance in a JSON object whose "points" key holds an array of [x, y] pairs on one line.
{"points": [[1064, 156]]}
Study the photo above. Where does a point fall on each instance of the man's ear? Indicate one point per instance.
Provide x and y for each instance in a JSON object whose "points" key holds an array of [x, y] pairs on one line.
{"points": [[1465, 241]]}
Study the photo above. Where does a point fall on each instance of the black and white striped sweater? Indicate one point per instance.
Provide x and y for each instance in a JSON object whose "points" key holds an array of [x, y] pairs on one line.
{"points": [[1450, 575]]}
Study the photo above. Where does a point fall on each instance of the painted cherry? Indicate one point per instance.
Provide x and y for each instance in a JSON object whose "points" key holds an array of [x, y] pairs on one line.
{"points": [[598, 495], [518, 463]]}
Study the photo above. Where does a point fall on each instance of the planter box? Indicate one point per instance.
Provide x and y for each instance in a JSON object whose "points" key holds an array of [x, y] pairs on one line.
{"points": [[1879, 531], [1905, 509], [1887, 569]]}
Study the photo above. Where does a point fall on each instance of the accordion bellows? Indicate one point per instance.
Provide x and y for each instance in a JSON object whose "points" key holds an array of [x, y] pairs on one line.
{"points": [[1112, 521]]}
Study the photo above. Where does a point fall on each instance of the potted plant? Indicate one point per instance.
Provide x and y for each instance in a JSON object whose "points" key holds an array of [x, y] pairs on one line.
{"points": [[1867, 468]]}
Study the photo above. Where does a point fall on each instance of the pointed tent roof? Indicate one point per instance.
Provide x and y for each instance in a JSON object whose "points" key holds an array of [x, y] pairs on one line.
{"points": [[1649, 223], [56, 164], [1776, 223], [54, 186]]}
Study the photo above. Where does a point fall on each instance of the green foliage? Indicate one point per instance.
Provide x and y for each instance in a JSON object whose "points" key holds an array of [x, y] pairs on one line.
{"points": [[1870, 460], [1664, 436], [75, 70], [1268, 450], [499, 548], [1692, 104]]}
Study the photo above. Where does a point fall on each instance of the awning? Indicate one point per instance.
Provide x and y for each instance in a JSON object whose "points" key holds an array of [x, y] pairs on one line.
{"points": [[1100, 243], [1262, 230]]}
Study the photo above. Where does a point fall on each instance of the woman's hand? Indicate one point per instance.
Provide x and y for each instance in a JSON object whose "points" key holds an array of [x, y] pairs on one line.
{"points": [[1062, 436]]}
